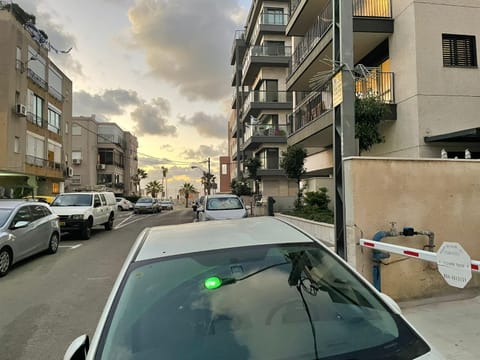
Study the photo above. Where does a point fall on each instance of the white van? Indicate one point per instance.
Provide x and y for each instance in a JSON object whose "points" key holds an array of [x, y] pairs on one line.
{"points": [[80, 211]]}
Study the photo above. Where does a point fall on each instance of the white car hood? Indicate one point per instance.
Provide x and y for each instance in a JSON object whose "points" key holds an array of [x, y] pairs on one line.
{"points": [[69, 210]]}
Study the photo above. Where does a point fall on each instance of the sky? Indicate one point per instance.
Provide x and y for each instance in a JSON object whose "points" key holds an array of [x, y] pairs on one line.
{"points": [[158, 68]]}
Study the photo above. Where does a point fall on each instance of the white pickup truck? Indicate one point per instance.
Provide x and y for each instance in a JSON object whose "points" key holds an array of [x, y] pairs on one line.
{"points": [[80, 211]]}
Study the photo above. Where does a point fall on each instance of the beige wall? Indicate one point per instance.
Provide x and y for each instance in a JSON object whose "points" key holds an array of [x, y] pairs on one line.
{"points": [[442, 196]]}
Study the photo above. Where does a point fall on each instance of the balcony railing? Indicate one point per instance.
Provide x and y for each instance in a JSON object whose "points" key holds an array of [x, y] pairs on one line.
{"points": [[265, 131], [265, 51], [259, 96], [378, 84], [37, 79], [311, 109], [311, 38], [293, 5], [239, 35], [266, 18], [36, 161], [372, 8], [35, 119]]}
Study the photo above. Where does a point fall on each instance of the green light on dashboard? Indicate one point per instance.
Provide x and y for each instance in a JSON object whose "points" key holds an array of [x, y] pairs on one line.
{"points": [[212, 283]]}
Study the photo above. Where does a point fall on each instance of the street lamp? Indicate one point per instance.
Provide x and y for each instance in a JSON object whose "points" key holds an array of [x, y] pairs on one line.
{"points": [[208, 175]]}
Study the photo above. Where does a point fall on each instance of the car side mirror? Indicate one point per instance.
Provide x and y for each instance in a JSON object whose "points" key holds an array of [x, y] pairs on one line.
{"points": [[78, 349], [19, 225]]}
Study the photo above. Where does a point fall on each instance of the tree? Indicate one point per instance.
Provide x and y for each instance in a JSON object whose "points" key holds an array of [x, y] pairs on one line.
{"points": [[240, 187], [252, 165], [207, 180], [369, 112], [186, 190], [154, 188], [141, 174], [292, 162], [164, 172]]}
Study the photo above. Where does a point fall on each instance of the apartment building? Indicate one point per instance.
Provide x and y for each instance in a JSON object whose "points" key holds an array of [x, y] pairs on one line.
{"points": [[35, 111], [420, 59], [260, 56], [103, 156]]}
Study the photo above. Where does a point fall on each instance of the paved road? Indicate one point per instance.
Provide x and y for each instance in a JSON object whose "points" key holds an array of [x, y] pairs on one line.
{"points": [[49, 300]]}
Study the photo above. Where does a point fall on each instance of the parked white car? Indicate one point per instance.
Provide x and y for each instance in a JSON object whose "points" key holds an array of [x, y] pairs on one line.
{"points": [[80, 211], [124, 204], [222, 207]]}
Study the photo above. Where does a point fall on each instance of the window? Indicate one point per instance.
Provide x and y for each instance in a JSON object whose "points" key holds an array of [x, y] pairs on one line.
{"points": [[76, 155], [54, 154], [16, 144], [76, 130], [35, 149], [19, 58], [459, 50], [105, 179], [224, 169], [105, 156], [269, 158], [54, 120], [35, 108]]}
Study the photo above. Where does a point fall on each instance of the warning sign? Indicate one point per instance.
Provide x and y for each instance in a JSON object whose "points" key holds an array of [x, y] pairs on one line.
{"points": [[337, 89], [454, 264]]}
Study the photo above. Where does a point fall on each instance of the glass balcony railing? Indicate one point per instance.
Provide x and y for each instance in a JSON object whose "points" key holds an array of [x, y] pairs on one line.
{"points": [[267, 18], [239, 35], [266, 130], [293, 5], [265, 51], [259, 96]]}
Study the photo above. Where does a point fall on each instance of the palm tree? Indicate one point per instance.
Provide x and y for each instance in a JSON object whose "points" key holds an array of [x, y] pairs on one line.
{"points": [[164, 171], [186, 190], [207, 180], [141, 174], [153, 188]]}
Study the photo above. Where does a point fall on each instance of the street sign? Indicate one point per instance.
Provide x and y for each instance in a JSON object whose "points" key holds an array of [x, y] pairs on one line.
{"points": [[454, 264], [337, 89]]}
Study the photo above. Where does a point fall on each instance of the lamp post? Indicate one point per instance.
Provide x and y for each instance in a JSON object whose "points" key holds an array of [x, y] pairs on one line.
{"points": [[208, 175]]}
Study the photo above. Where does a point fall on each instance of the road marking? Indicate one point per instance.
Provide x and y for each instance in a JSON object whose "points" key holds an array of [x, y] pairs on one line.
{"points": [[126, 221], [100, 278], [70, 246]]}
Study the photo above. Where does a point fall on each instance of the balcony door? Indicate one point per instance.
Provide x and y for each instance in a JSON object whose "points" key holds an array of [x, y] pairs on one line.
{"points": [[271, 88]]}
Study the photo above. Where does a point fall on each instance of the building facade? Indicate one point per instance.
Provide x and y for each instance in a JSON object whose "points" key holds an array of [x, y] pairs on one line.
{"points": [[104, 156], [425, 71], [261, 104], [35, 112]]}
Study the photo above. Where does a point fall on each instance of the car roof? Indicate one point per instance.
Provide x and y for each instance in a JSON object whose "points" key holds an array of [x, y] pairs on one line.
{"points": [[163, 241], [222, 196], [13, 203]]}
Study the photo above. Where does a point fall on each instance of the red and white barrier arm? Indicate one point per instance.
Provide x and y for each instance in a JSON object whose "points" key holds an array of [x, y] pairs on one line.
{"points": [[410, 252]]}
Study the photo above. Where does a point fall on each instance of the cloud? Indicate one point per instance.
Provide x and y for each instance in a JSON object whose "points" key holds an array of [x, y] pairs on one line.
{"points": [[206, 151], [111, 102], [187, 43], [207, 125], [152, 119]]}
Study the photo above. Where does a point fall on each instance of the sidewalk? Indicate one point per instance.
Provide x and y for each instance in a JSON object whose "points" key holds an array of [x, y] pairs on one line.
{"points": [[451, 324]]}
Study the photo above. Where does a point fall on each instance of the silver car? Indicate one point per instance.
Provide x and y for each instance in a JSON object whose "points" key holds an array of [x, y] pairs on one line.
{"points": [[255, 288], [26, 228], [147, 205]]}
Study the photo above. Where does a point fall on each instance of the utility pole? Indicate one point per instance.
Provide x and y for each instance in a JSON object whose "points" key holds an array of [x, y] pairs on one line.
{"points": [[209, 185], [344, 111]]}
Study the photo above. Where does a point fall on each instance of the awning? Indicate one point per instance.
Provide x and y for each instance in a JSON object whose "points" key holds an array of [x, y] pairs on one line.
{"points": [[469, 136]]}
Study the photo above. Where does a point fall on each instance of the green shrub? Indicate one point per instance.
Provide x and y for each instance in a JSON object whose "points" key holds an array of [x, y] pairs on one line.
{"points": [[315, 207]]}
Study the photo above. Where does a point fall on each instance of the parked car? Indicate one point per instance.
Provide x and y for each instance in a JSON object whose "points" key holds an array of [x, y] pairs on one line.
{"points": [[255, 288], [26, 228], [124, 204], [40, 198], [80, 211], [147, 205], [166, 204], [221, 207]]}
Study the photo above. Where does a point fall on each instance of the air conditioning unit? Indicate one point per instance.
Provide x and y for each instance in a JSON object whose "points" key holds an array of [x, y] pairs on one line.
{"points": [[100, 166], [69, 171], [21, 110], [77, 161]]}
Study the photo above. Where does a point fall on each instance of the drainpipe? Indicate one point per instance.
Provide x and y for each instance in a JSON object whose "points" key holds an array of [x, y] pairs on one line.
{"points": [[378, 256]]}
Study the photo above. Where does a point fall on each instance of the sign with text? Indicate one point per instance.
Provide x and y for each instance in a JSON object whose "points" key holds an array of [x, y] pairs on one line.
{"points": [[337, 89], [454, 264]]}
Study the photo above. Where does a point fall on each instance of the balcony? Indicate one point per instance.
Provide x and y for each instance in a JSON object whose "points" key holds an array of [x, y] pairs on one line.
{"points": [[302, 14], [55, 94], [259, 100], [43, 167], [255, 135], [241, 98], [269, 23], [380, 85], [372, 24], [264, 56], [238, 47], [37, 79]]}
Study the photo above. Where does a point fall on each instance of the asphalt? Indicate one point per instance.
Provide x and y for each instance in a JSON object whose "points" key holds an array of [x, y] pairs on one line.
{"points": [[450, 323]]}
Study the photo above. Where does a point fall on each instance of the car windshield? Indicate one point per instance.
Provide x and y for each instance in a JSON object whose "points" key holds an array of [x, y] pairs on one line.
{"points": [[118, 199], [227, 203], [144, 200], [262, 302], [73, 200], [4, 214]]}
